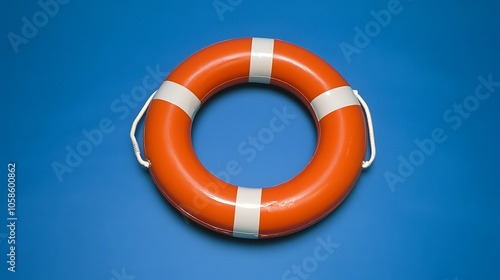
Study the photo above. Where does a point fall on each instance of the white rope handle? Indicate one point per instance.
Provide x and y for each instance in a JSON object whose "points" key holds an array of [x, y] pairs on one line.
{"points": [[137, 150], [371, 135]]}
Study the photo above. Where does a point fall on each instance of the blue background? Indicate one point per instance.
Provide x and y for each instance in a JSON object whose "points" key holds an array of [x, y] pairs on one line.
{"points": [[106, 220]]}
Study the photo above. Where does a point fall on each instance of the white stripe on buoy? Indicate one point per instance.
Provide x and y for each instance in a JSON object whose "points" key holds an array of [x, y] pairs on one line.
{"points": [[247, 213], [180, 96], [261, 60], [332, 100]]}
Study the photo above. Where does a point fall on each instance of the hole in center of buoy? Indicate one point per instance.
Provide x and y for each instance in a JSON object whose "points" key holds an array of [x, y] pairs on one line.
{"points": [[254, 135]]}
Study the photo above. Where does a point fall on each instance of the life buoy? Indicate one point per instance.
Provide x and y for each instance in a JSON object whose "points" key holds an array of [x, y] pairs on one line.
{"points": [[252, 212]]}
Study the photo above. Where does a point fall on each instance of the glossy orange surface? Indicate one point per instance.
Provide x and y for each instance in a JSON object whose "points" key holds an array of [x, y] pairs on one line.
{"points": [[285, 208]]}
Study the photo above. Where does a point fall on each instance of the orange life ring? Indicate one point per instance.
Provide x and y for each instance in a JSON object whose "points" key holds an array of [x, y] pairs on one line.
{"points": [[251, 212]]}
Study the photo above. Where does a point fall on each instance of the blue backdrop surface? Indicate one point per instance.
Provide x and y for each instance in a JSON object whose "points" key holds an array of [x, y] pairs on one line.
{"points": [[75, 73]]}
